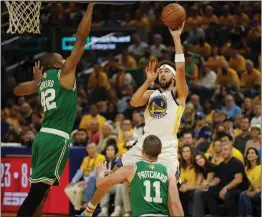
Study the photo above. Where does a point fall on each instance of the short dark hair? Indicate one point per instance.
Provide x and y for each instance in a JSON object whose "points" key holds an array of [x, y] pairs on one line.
{"points": [[152, 146], [228, 136], [112, 145], [81, 129], [189, 132]]}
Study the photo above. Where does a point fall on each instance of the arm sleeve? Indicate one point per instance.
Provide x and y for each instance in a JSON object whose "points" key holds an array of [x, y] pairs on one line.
{"points": [[77, 176]]}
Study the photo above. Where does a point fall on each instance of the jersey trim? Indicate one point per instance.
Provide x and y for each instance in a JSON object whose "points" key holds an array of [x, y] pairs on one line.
{"points": [[55, 132], [173, 95], [149, 214]]}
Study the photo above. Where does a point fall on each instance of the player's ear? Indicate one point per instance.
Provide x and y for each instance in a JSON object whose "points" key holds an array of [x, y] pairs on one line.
{"points": [[57, 65]]}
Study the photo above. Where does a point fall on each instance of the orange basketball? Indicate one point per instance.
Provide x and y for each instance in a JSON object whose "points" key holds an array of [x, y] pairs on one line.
{"points": [[173, 15]]}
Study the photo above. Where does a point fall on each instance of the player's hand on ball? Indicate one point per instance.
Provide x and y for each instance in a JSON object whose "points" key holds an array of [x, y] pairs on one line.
{"points": [[177, 32], [151, 73], [38, 71]]}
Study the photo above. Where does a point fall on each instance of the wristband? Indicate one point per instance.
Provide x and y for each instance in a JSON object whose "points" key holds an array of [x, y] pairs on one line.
{"points": [[179, 58]]}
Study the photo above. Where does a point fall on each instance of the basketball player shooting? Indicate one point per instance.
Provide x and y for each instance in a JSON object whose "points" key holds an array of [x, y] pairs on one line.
{"points": [[163, 113], [153, 189], [57, 91]]}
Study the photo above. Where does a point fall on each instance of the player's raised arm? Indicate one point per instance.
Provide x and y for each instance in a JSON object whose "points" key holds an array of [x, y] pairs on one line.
{"points": [[67, 76], [142, 95], [120, 175], [181, 84], [174, 204], [30, 87]]}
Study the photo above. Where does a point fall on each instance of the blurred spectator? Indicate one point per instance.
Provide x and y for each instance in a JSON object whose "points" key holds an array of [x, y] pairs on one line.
{"points": [[111, 161], [230, 107], [12, 135], [93, 133], [27, 138], [14, 117], [127, 19], [127, 60], [87, 119], [98, 79], [121, 79], [187, 177], [138, 124], [191, 70], [193, 18], [247, 108], [194, 34], [226, 185], [205, 173], [111, 111], [220, 95], [81, 138], [209, 17], [241, 18], [137, 47], [215, 60], [140, 21], [226, 17], [97, 20], [207, 77], [36, 121], [157, 47], [241, 140], [107, 130], [147, 56], [188, 118], [253, 193], [26, 112], [250, 78], [257, 118], [126, 143], [75, 189], [229, 125], [237, 62], [123, 103], [202, 133], [216, 157], [255, 142], [196, 102], [227, 76], [203, 48], [188, 139]]}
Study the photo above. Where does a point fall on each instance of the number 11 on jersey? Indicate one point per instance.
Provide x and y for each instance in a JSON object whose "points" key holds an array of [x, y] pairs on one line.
{"points": [[156, 185]]}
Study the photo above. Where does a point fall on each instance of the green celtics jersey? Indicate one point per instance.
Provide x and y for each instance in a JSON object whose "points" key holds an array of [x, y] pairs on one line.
{"points": [[59, 104], [149, 189]]}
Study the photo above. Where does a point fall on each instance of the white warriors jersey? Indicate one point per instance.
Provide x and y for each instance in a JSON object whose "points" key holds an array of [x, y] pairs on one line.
{"points": [[163, 115]]}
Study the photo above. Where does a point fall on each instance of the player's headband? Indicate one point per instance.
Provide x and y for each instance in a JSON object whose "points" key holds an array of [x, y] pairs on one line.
{"points": [[169, 67]]}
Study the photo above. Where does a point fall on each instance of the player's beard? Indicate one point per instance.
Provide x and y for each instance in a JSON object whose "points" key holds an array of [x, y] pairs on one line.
{"points": [[166, 84]]}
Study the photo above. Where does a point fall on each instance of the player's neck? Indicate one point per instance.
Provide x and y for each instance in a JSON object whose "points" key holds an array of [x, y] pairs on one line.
{"points": [[149, 160]]}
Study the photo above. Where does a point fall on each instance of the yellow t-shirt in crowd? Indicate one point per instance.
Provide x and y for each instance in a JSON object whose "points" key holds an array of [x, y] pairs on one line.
{"points": [[249, 80], [87, 120], [187, 175], [189, 21], [238, 64], [143, 22], [130, 63], [13, 122], [89, 164], [207, 20], [215, 63], [224, 20], [254, 177], [226, 49], [242, 19], [235, 152], [231, 77], [204, 50], [100, 81]]}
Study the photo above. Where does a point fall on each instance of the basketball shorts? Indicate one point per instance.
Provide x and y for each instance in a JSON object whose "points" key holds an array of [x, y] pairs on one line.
{"points": [[168, 156], [49, 156]]}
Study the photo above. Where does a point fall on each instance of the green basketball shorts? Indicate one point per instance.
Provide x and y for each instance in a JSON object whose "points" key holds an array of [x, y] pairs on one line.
{"points": [[49, 155]]}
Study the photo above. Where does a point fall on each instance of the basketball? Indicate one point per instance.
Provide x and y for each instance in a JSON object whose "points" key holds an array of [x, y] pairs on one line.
{"points": [[173, 15]]}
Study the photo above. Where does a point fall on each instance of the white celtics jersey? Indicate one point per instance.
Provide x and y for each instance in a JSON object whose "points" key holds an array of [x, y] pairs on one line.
{"points": [[163, 115]]}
